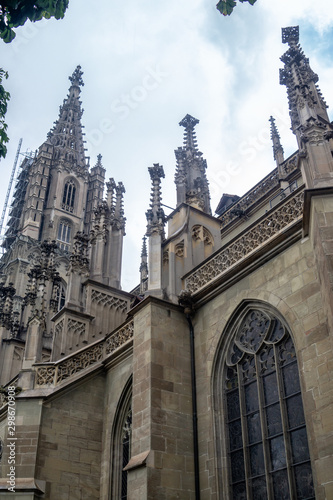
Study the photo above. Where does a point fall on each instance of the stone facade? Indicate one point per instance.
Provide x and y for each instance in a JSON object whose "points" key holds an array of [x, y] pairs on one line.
{"points": [[213, 378]]}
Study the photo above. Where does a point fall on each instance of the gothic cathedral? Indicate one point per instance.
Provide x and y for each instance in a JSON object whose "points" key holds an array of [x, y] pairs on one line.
{"points": [[213, 378]]}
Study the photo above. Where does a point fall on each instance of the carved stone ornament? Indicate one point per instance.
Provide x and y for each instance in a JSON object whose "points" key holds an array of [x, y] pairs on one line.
{"points": [[93, 354], [166, 256], [79, 362], [119, 337], [179, 249], [287, 214], [107, 300]]}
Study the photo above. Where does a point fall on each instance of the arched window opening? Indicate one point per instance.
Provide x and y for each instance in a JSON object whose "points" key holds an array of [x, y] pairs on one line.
{"points": [[126, 451], [264, 425], [61, 296], [121, 444], [64, 235], [68, 197]]}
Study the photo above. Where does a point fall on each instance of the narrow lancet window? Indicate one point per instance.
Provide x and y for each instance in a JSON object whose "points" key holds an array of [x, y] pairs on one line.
{"points": [[68, 197], [64, 235]]}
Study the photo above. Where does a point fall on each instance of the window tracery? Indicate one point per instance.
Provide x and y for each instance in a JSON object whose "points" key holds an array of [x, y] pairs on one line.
{"points": [[68, 198], [264, 425], [121, 444], [64, 235]]}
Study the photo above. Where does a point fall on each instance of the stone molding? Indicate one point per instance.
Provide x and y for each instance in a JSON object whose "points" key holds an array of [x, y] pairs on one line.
{"points": [[273, 224], [52, 374], [270, 182]]}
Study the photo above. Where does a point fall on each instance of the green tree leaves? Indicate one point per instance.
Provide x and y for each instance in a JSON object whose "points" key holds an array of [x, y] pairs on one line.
{"points": [[227, 6], [4, 98], [14, 13]]}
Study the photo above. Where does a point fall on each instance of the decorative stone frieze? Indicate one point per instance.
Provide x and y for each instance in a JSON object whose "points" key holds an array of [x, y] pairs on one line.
{"points": [[45, 375], [75, 328], [107, 300], [53, 374], [79, 362], [266, 229], [119, 337]]}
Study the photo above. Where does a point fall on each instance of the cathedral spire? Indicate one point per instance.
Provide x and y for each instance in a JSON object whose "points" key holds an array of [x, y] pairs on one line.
{"points": [[66, 135], [277, 146], [305, 99], [190, 177], [307, 109]]}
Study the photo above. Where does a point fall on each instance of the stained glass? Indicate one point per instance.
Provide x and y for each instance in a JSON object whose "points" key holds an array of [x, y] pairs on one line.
{"points": [[237, 466], [259, 491], [257, 464], [239, 491], [249, 368], [299, 445], [235, 435], [254, 330], [263, 397], [270, 388], [295, 411], [254, 428], [236, 354], [232, 379], [278, 454], [273, 417], [277, 331], [233, 405], [304, 483], [251, 397], [281, 485], [290, 379], [267, 360], [287, 351]]}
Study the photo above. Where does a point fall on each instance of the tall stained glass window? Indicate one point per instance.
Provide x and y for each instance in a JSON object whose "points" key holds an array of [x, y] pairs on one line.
{"points": [[267, 446]]}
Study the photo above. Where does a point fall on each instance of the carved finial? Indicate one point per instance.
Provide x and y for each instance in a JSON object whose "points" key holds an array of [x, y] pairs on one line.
{"points": [[277, 147], [119, 206], [155, 215], [144, 247], [290, 35], [99, 160], [110, 189], [189, 122], [190, 177], [143, 267], [76, 78]]}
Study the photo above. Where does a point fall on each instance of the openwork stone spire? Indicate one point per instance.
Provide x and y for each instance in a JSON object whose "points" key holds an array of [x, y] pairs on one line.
{"points": [[66, 135], [277, 146], [190, 177], [305, 99], [155, 214]]}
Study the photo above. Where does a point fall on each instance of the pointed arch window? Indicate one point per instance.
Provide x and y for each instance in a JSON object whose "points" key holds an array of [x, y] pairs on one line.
{"points": [[121, 445], [61, 296], [263, 419], [68, 197], [64, 235]]}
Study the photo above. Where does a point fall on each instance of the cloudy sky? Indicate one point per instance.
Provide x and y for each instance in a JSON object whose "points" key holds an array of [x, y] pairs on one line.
{"points": [[146, 65]]}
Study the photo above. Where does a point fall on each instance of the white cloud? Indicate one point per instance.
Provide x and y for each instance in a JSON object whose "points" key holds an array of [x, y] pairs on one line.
{"points": [[224, 71]]}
